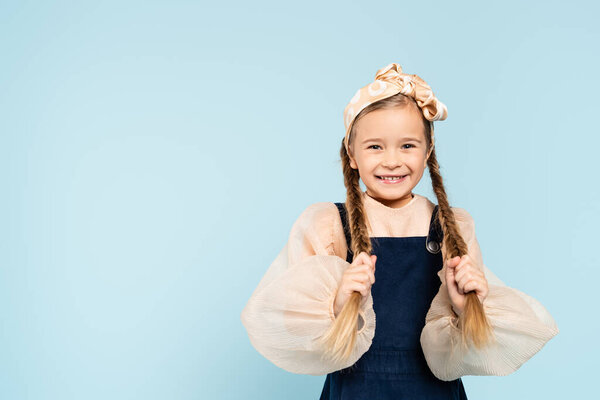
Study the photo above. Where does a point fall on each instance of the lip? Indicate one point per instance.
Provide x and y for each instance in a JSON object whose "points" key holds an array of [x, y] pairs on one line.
{"points": [[388, 175], [387, 182]]}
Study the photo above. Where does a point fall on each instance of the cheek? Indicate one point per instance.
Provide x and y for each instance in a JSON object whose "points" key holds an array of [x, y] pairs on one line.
{"points": [[368, 162], [416, 162]]}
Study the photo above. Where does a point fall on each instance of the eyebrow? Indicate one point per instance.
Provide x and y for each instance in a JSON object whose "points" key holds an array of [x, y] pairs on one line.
{"points": [[407, 138]]}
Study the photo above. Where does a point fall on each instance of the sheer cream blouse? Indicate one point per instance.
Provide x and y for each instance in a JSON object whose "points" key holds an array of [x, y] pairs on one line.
{"points": [[292, 305]]}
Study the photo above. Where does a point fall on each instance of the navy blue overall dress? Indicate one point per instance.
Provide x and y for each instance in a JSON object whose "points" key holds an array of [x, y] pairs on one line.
{"points": [[406, 282]]}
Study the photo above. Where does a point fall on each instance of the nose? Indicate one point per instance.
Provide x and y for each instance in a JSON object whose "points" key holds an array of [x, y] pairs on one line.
{"points": [[391, 160]]}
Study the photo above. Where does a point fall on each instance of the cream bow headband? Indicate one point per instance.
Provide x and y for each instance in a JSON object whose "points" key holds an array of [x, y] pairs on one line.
{"points": [[389, 81]]}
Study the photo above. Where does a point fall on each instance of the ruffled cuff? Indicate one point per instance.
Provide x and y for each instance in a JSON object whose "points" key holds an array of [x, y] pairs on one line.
{"points": [[286, 318], [521, 326]]}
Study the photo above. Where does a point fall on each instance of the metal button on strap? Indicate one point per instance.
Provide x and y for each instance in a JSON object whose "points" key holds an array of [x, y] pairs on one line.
{"points": [[433, 246]]}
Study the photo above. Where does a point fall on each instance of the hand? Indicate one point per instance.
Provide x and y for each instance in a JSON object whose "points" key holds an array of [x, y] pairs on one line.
{"points": [[358, 277], [462, 276]]}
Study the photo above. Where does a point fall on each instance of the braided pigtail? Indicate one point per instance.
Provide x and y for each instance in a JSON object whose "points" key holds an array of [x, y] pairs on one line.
{"points": [[340, 339], [474, 323]]}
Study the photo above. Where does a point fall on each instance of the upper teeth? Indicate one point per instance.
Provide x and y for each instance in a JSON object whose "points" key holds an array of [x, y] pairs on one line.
{"points": [[391, 178]]}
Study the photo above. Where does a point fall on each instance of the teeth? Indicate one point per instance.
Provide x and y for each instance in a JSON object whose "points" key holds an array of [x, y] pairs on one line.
{"points": [[391, 178]]}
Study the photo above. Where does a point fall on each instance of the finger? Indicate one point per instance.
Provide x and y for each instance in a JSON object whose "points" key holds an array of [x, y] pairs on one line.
{"points": [[461, 283], [362, 269], [462, 262], [370, 276], [472, 285], [466, 265], [450, 281], [469, 287], [465, 272], [363, 273], [358, 265], [449, 273], [367, 274], [469, 271], [453, 291], [468, 260], [458, 284], [483, 293], [359, 287], [362, 258], [363, 278], [452, 262], [467, 284], [358, 259]]}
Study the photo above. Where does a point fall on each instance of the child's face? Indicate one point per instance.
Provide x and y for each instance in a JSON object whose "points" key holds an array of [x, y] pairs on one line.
{"points": [[390, 142]]}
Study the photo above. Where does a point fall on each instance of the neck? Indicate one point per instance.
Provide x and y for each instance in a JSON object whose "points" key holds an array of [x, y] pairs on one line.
{"points": [[394, 203]]}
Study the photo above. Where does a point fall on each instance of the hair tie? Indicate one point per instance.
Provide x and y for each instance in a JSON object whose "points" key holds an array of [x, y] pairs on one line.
{"points": [[390, 80]]}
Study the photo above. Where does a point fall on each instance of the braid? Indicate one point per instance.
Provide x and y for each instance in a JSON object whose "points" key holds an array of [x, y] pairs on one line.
{"points": [[452, 240], [340, 339], [474, 323], [354, 206]]}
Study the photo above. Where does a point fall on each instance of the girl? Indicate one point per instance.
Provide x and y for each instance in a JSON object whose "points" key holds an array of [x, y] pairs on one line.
{"points": [[392, 254]]}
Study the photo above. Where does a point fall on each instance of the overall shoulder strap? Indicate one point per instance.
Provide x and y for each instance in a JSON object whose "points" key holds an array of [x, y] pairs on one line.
{"points": [[344, 217], [436, 234]]}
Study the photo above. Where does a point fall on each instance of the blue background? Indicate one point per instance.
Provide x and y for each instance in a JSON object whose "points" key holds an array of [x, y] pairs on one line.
{"points": [[154, 156]]}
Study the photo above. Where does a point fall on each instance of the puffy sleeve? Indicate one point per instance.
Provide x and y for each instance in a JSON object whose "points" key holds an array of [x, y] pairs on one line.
{"points": [[292, 306], [521, 325]]}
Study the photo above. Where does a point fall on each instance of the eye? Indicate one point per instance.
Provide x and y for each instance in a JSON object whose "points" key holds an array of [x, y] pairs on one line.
{"points": [[408, 144], [373, 146]]}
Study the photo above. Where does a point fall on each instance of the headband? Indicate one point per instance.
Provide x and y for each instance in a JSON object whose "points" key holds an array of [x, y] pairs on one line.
{"points": [[389, 81]]}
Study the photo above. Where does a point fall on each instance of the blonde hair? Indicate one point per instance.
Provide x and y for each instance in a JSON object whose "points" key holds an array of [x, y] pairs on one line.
{"points": [[340, 339]]}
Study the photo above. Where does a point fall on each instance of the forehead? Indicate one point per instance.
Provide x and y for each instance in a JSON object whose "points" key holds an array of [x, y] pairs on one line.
{"points": [[391, 123]]}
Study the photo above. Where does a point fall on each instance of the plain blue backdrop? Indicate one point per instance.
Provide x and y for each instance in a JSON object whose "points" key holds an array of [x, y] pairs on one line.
{"points": [[155, 154]]}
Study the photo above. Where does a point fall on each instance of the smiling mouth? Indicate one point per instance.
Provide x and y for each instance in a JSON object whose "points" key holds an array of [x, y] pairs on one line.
{"points": [[391, 178]]}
